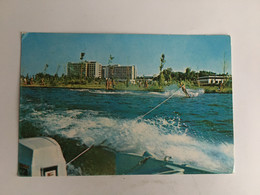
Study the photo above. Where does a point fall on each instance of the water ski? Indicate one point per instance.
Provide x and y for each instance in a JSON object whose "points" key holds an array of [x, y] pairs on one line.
{"points": [[186, 93], [184, 90]]}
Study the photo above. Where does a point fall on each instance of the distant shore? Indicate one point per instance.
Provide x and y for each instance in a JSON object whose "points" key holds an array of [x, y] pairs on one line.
{"points": [[207, 89]]}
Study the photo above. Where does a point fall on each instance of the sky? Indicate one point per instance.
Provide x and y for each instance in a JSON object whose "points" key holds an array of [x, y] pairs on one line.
{"points": [[197, 52]]}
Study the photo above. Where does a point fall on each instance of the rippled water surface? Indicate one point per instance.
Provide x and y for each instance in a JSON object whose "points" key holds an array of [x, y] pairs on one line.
{"points": [[197, 131]]}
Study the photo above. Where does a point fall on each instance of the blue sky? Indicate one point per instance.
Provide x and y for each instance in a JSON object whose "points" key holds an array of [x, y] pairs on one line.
{"points": [[198, 52]]}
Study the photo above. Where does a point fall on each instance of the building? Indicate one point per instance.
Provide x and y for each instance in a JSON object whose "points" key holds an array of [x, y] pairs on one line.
{"points": [[212, 80], [94, 69], [84, 69], [120, 73], [78, 70]]}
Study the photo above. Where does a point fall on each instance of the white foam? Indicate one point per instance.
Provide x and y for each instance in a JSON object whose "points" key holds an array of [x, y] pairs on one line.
{"points": [[72, 170], [111, 92], [173, 90], [79, 90], [96, 91], [178, 93], [136, 137]]}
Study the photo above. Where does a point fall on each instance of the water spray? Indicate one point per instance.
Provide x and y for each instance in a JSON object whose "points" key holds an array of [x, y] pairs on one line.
{"points": [[142, 116]]}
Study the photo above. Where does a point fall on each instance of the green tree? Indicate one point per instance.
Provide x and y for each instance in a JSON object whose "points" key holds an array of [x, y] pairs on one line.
{"points": [[161, 76], [206, 73], [167, 74], [187, 73], [161, 79], [163, 61], [110, 60]]}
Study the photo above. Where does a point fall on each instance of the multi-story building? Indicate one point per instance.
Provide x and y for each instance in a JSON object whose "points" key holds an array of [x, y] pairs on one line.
{"points": [[94, 69], [119, 72], [78, 70], [84, 69]]}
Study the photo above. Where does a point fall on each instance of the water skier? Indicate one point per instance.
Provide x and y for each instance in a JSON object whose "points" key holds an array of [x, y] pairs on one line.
{"points": [[182, 85]]}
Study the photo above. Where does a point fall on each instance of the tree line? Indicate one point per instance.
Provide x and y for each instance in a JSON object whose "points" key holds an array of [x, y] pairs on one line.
{"points": [[168, 76], [165, 77], [44, 79]]}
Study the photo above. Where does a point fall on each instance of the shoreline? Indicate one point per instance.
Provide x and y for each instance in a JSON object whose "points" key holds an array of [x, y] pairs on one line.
{"points": [[207, 89]]}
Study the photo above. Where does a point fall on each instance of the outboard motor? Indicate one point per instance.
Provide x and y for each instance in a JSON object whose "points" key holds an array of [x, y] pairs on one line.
{"points": [[40, 156]]}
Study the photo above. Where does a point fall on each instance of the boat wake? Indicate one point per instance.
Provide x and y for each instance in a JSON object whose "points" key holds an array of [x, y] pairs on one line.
{"points": [[172, 90], [112, 121], [159, 136]]}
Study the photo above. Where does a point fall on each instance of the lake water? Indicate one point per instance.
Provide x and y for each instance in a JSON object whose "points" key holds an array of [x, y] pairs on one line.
{"points": [[197, 131]]}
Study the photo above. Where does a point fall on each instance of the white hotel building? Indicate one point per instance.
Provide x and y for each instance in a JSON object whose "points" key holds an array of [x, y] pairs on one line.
{"points": [[94, 69], [84, 69], [120, 73]]}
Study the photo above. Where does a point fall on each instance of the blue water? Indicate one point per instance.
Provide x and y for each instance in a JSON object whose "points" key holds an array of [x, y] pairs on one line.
{"points": [[197, 131]]}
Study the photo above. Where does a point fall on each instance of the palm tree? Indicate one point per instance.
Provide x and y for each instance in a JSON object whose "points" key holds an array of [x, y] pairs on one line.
{"points": [[163, 61], [162, 79], [110, 60]]}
